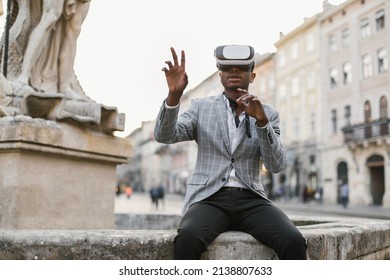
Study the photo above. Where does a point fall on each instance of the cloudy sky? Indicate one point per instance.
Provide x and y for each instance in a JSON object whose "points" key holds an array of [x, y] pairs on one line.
{"points": [[123, 44]]}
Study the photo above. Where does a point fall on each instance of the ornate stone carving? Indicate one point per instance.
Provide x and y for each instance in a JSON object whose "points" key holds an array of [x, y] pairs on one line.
{"points": [[41, 82]]}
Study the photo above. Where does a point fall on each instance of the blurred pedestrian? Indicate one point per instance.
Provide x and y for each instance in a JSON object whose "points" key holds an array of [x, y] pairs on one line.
{"points": [[129, 191], [306, 194], [156, 193], [344, 194]]}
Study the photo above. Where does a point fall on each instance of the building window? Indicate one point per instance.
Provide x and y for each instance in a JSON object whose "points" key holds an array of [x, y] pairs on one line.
{"points": [[383, 107], [294, 51], [296, 128], [271, 81], [333, 74], [282, 91], [332, 43], [367, 111], [310, 42], [334, 121], [313, 122], [365, 28], [345, 38], [382, 60], [367, 66], [380, 20], [295, 86], [311, 79], [347, 73], [347, 115], [281, 59]]}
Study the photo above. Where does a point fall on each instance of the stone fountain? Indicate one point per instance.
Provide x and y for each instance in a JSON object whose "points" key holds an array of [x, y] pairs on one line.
{"points": [[58, 151]]}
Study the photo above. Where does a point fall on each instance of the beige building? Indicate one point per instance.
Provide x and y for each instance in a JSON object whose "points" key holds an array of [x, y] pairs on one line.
{"points": [[355, 39], [329, 80], [297, 100], [143, 171]]}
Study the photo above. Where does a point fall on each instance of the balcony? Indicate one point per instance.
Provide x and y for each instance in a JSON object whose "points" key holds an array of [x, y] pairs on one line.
{"points": [[365, 133]]}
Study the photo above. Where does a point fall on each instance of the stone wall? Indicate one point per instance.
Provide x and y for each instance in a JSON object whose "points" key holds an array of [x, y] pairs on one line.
{"points": [[145, 221], [57, 176], [327, 238]]}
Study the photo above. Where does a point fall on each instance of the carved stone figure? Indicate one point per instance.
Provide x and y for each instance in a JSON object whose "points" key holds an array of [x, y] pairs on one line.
{"points": [[51, 49], [42, 50]]}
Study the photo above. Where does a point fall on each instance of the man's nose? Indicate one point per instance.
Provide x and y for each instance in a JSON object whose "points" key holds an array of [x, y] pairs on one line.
{"points": [[234, 70]]}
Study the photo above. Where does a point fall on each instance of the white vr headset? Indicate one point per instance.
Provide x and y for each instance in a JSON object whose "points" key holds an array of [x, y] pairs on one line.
{"points": [[240, 56]]}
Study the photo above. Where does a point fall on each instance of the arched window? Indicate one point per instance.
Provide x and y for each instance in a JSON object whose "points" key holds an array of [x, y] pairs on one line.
{"points": [[365, 30], [380, 20], [367, 66], [333, 75], [347, 115], [367, 119], [347, 73], [367, 111], [382, 60], [334, 121], [345, 38], [332, 43], [383, 107], [383, 115], [376, 165]]}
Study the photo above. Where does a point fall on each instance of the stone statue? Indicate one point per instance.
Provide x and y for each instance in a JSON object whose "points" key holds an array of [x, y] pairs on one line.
{"points": [[42, 50], [52, 51]]}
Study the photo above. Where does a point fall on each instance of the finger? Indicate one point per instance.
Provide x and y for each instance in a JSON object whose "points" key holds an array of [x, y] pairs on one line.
{"points": [[183, 59], [174, 56], [244, 95], [242, 90], [246, 99], [169, 64]]}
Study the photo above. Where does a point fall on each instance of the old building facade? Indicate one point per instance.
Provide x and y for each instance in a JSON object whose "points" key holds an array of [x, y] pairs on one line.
{"points": [[297, 99], [355, 93], [329, 80]]}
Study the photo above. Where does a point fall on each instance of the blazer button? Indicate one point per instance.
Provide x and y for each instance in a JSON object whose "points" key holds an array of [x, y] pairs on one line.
{"points": [[232, 160], [223, 179]]}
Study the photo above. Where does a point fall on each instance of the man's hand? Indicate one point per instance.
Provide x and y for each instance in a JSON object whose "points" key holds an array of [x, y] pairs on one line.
{"points": [[177, 78], [252, 106]]}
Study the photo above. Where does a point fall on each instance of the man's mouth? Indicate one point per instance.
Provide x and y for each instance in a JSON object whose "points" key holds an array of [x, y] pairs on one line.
{"points": [[234, 77]]}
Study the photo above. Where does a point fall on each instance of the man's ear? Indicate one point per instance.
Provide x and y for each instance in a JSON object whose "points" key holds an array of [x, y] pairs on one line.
{"points": [[253, 76]]}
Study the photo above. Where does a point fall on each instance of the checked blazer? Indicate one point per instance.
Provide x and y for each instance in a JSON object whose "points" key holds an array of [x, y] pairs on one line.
{"points": [[205, 122]]}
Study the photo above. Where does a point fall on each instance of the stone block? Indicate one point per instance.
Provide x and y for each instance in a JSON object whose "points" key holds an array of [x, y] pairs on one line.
{"points": [[337, 240], [57, 176]]}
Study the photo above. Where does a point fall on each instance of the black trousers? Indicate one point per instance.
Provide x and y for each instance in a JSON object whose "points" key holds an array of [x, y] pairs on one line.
{"points": [[238, 210]]}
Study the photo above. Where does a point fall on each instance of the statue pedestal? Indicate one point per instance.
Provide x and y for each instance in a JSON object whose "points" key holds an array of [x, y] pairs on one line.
{"points": [[57, 176]]}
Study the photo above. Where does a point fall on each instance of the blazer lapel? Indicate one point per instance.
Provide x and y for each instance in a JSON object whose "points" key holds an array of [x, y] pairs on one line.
{"points": [[220, 109]]}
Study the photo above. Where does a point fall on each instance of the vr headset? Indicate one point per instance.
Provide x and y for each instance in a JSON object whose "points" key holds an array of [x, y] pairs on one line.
{"points": [[240, 56]]}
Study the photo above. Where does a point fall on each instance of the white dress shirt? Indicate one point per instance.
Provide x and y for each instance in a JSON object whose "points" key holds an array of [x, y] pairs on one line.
{"points": [[234, 133]]}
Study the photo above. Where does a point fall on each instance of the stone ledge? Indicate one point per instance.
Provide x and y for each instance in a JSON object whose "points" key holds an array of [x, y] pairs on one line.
{"points": [[44, 136], [328, 239], [147, 221]]}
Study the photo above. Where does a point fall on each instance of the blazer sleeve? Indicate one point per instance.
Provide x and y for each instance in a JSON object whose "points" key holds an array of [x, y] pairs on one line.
{"points": [[272, 151], [172, 128]]}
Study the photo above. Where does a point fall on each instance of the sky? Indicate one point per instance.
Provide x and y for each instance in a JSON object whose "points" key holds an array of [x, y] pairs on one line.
{"points": [[124, 44]]}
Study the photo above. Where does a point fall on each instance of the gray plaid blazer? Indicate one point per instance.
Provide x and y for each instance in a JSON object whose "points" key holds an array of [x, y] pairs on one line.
{"points": [[205, 122]]}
